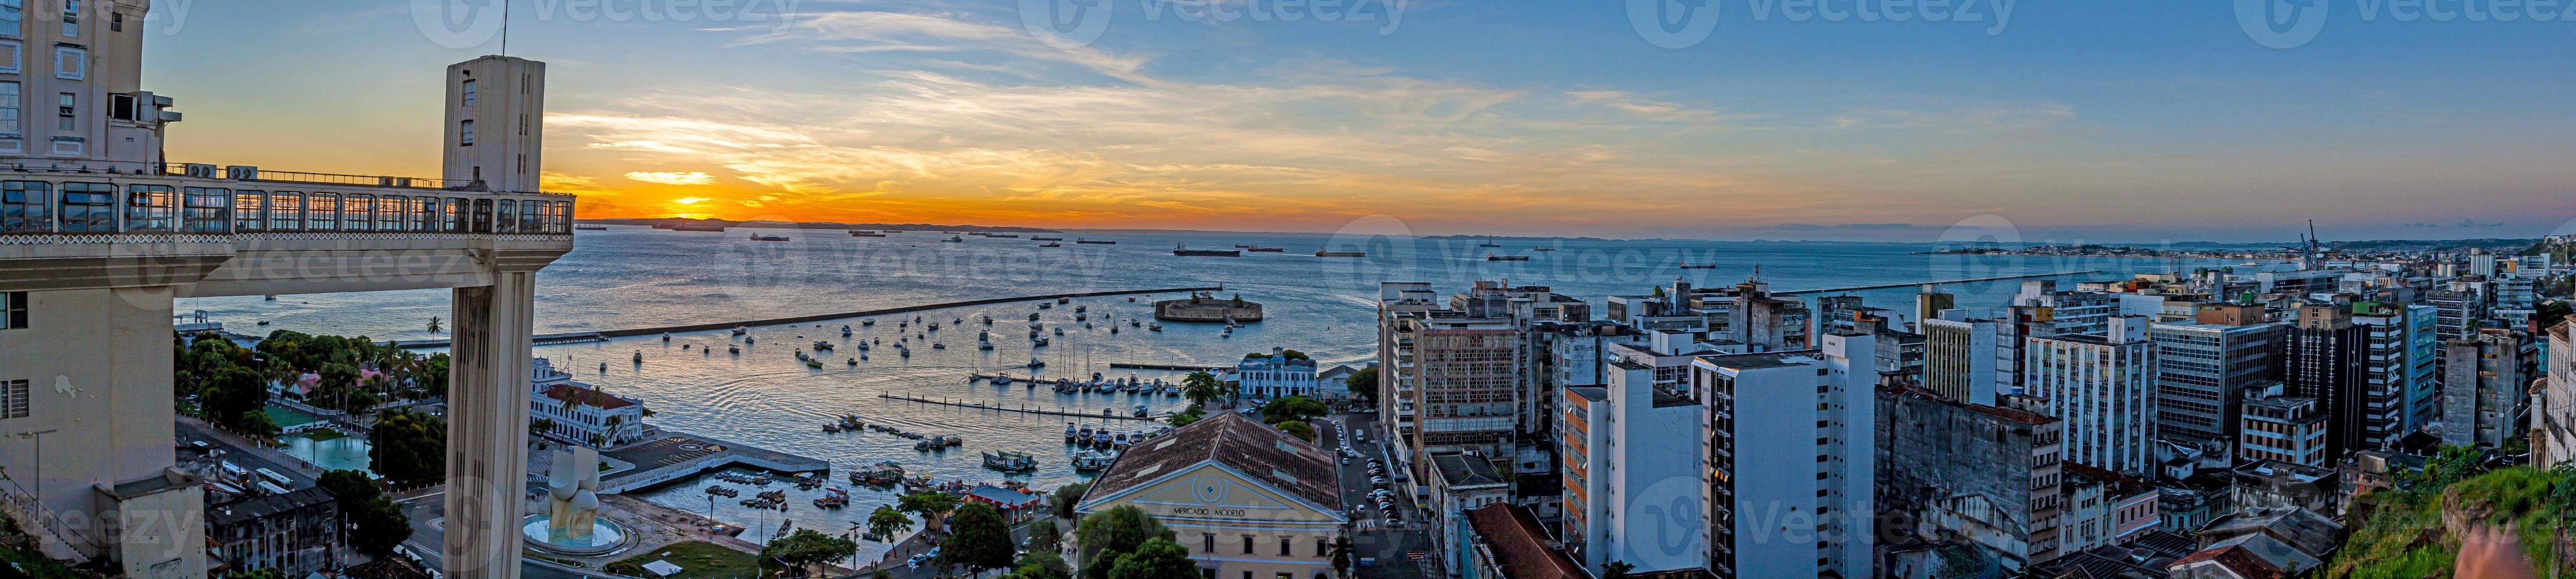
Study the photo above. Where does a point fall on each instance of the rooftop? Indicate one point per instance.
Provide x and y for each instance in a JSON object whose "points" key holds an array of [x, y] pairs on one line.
{"points": [[1520, 545], [1761, 360], [1261, 453], [579, 394], [251, 509], [1461, 470]]}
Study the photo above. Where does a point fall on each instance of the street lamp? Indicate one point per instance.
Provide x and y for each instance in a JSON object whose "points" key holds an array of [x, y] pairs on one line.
{"points": [[38, 436]]}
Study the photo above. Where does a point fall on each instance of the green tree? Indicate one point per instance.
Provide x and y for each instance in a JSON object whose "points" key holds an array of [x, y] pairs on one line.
{"points": [[1043, 536], [1159, 558], [2551, 312], [408, 446], [1066, 497], [1363, 384], [1185, 418], [1616, 570], [256, 424], [380, 523], [806, 548], [1296, 408], [1121, 529], [929, 505], [261, 573], [1201, 387], [1299, 429], [1341, 555], [980, 539], [887, 523], [1042, 565]]}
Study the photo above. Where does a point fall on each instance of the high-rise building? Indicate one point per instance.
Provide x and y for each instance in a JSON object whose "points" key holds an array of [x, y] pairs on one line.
{"points": [[2399, 374], [1763, 466], [1985, 474], [2324, 358], [1959, 357], [1928, 304], [2103, 387], [2073, 312], [2461, 305], [1630, 495], [2486, 380], [2205, 365], [1765, 323]]}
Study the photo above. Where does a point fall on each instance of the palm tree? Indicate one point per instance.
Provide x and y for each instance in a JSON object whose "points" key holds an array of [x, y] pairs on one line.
{"points": [[538, 428], [1200, 387], [433, 324]]}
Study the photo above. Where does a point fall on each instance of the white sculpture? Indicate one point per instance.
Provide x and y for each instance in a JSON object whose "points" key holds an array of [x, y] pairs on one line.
{"points": [[573, 504]]}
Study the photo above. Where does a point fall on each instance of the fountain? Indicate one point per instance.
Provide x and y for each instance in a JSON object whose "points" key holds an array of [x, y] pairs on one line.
{"points": [[571, 524]]}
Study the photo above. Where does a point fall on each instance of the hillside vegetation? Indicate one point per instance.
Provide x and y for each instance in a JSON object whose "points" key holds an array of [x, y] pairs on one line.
{"points": [[2418, 531]]}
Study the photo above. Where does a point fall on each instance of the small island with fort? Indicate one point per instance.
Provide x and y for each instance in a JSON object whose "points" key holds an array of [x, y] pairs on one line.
{"points": [[1205, 307]]}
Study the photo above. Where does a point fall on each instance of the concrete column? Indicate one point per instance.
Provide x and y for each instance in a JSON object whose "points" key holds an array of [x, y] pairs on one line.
{"points": [[487, 425]]}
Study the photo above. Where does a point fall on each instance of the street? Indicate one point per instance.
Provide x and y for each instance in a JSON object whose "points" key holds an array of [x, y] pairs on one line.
{"points": [[1380, 551]]}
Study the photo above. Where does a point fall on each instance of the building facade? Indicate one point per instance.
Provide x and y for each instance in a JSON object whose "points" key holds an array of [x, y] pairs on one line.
{"points": [[1628, 498], [1980, 473], [2486, 379], [2103, 386], [2281, 427], [1276, 375], [1248, 501], [1959, 357], [2325, 358], [297, 533], [1759, 473], [579, 413], [2203, 365]]}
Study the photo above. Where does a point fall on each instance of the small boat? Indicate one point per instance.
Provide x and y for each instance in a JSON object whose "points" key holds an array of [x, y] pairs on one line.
{"points": [[748, 340], [733, 349], [269, 297], [953, 239], [639, 356], [822, 346], [854, 361], [1154, 326], [722, 491], [1064, 301], [1091, 461], [1323, 253], [986, 346], [1037, 363], [845, 330], [868, 322], [263, 322], [1689, 265], [1051, 245], [1140, 410], [1489, 242], [739, 330], [939, 346], [1007, 461], [666, 337], [1501, 257]]}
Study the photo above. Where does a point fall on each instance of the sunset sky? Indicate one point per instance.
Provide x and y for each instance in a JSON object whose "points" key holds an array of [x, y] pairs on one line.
{"points": [[2091, 121]]}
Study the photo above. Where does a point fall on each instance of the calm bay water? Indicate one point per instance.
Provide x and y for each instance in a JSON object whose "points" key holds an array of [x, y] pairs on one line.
{"points": [[640, 277]]}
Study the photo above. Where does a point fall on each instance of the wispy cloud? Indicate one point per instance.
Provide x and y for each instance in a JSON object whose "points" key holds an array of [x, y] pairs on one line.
{"points": [[673, 177]]}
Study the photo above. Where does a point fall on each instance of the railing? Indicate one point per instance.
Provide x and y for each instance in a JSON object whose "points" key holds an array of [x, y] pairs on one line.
{"points": [[248, 173], [51, 539]]}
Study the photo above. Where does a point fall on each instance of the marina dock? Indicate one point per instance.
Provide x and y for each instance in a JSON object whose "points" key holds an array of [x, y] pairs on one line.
{"points": [[981, 406], [1947, 282], [541, 340], [605, 335], [1175, 367]]}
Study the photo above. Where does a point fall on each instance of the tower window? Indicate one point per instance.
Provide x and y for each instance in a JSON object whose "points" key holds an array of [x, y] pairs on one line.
{"points": [[13, 397], [470, 92], [11, 12], [71, 18], [13, 311], [465, 133]]}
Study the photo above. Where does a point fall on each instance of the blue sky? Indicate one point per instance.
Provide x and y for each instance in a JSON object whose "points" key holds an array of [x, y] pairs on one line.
{"points": [[2138, 121]]}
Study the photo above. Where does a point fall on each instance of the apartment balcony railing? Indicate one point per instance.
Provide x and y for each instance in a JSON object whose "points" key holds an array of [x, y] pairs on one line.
{"points": [[196, 203]]}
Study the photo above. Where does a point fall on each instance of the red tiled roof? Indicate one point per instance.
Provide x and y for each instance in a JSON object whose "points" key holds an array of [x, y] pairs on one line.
{"points": [[575, 394], [1520, 544]]}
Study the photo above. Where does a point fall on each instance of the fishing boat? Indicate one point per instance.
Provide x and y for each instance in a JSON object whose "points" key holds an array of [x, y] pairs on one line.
{"points": [[1037, 363], [868, 322], [1501, 257], [953, 239], [811, 362], [1154, 326], [1091, 461], [1489, 242], [722, 491], [1007, 461], [845, 330], [1185, 251], [822, 346], [1140, 411], [833, 498], [739, 330], [733, 349]]}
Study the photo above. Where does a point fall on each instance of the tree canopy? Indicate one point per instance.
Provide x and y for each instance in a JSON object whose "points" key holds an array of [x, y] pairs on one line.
{"points": [[1159, 558], [1066, 497], [1293, 408], [1363, 384], [806, 548], [1121, 529], [980, 539], [408, 446]]}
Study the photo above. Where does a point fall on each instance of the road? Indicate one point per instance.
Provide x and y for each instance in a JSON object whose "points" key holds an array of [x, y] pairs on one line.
{"points": [[249, 455], [1371, 536]]}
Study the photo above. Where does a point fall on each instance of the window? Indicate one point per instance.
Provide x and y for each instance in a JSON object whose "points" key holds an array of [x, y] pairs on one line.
{"points": [[71, 63], [1247, 550], [205, 210], [120, 106], [13, 310], [533, 217], [88, 208], [68, 145], [71, 18], [1209, 540], [465, 133], [469, 92], [150, 208], [482, 216], [12, 56], [322, 212], [456, 215], [248, 213], [116, 22], [424, 211], [285, 211], [13, 399], [391, 213], [359, 212], [26, 207], [1283, 546], [523, 124], [509, 221], [67, 112], [11, 13]]}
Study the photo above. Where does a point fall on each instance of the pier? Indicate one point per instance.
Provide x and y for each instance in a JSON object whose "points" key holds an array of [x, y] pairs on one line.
{"points": [[982, 406], [604, 335], [1175, 367], [1920, 283]]}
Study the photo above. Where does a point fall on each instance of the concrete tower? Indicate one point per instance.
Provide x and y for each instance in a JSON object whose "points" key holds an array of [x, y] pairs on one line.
{"points": [[495, 108]]}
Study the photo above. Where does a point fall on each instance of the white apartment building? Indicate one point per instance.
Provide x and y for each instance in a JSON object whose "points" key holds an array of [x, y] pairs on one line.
{"points": [[1630, 495], [1782, 504], [581, 413], [1275, 375], [2103, 387], [2553, 411], [1959, 357]]}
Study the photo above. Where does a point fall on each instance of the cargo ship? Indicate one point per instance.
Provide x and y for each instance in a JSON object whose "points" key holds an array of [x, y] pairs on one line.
{"points": [[1185, 251]]}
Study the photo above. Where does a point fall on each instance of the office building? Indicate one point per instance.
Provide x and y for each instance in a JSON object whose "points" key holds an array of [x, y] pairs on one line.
{"points": [[2285, 428], [2324, 359], [1460, 483], [1630, 478], [91, 325], [1277, 375], [1758, 471], [2401, 372], [297, 533], [2103, 386], [2073, 312], [2205, 364], [1959, 357], [2486, 380]]}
